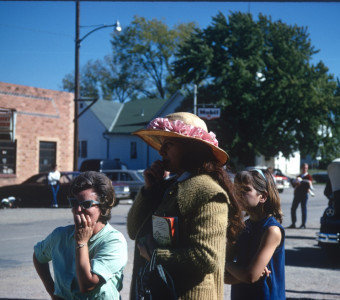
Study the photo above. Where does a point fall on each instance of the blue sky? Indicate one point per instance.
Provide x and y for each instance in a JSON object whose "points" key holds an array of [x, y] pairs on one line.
{"points": [[37, 37]]}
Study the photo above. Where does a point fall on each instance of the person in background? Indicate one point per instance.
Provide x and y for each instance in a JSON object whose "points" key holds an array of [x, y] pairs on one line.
{"points": [[89, 256], [200, 196], [302, 186], [255, 264], [53, 179]]}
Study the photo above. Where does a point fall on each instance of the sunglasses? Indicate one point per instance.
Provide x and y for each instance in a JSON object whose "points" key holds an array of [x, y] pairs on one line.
{"points": [[86, 204]]}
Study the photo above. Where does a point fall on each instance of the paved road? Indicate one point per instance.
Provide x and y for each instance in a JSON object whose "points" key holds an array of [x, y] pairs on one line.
{"points": [[310, 273]]}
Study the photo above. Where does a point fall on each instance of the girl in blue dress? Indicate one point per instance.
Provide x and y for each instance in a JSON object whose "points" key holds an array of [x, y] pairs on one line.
{"points": [[255, 263]]}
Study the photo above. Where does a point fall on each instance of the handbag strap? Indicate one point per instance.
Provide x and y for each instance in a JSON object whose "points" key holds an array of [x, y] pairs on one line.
{"points": [[164, 275], [152, 263], [154, 267]]}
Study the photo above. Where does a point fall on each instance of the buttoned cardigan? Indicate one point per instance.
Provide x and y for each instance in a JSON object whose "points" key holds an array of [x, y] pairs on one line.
{"points": [[196, 262]]}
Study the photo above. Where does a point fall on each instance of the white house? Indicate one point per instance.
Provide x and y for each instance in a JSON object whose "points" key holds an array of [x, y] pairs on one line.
{"points": [[105, 130], [105, 133], [290, 166]]}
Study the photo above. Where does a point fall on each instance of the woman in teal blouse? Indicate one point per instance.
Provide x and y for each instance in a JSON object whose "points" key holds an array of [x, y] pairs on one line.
{"points": [[88, 257]]}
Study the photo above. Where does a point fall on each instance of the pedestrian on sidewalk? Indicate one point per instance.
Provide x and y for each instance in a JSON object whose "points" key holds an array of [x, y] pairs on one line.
{"points": [[200, 197], [53, 179], [89, 256], [255, 264], [302, 187]]}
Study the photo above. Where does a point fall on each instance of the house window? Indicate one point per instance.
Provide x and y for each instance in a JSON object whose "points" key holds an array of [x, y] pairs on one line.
{"points": [[47, 156], [8, 157], [133, 150], [82, 149]]}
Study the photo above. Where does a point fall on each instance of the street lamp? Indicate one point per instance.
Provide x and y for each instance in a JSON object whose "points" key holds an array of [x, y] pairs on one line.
{"points": [[78, 40], [260, 77]]}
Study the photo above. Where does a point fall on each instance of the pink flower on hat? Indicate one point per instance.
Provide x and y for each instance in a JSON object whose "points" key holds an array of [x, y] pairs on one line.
{"points": [[180, 127]]}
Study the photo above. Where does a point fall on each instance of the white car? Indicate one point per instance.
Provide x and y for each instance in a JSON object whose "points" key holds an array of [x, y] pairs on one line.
{"points": [[133, 178], [282, 181], [122, 191]]}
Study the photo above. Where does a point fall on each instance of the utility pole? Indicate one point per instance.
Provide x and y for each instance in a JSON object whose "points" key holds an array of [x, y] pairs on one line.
{"points": [[76, 91], [195, 99]]}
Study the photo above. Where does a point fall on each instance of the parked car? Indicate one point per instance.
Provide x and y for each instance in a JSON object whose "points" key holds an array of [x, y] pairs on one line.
{"points": [[99, 165], [133, 178], [329, 234], [122, 191], [34, 192], [282, 181], [321, 177]]}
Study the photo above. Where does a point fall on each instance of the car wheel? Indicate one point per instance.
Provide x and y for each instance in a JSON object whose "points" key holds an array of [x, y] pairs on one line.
{"points": [[116, 202], [280, 190]]}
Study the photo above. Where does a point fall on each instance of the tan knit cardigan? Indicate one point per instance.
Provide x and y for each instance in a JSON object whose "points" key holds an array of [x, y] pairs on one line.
{"points": [[196, 262]]}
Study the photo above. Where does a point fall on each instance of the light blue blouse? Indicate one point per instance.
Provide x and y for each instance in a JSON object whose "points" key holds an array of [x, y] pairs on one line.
{"points": [[108, 256]]}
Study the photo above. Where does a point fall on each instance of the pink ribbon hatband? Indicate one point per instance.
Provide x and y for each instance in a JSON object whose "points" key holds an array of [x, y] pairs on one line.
{"points": [[180, 127]]}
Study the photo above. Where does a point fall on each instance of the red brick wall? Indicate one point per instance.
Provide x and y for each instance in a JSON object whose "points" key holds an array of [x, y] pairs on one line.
{"points": [[42, 115]]}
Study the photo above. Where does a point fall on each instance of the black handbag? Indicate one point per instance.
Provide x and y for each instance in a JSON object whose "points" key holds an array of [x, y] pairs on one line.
{"points": [[154, 282]]}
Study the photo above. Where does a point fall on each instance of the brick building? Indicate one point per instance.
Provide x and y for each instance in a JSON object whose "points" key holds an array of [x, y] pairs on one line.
{"points": [[43, 132]]}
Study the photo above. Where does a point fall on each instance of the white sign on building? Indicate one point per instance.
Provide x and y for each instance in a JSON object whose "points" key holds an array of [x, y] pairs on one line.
{"points": [[209, 113]]}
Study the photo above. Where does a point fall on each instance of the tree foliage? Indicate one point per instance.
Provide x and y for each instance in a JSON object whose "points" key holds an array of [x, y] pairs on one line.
{"points": [[259, 72], [140, 63]]}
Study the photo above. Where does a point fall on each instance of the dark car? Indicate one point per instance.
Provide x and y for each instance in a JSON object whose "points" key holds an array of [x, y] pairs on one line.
{"points": [[99, 165], [329, 235], [35, 192], [321, 177]]}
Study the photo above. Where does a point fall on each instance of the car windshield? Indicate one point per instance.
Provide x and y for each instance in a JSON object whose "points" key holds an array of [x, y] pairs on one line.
{"points": [[278, 172], [40, 178], [140, 175], [66, 178], [128, 175]]}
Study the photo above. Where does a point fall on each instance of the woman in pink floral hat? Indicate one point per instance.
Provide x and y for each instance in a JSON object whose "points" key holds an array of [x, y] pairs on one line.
{"points": [[199, 200]]}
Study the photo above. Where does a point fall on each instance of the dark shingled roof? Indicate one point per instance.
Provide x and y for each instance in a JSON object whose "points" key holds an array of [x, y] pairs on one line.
{"points": [[136, 115], [107, 112], [125, 118]]}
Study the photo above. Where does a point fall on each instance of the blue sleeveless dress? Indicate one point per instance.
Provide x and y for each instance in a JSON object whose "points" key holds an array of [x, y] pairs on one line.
{"points": [[272, 287]]}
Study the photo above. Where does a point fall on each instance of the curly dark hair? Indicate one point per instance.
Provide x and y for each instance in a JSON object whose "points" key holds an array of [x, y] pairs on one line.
{"points": [[102, 186], [199, 159]]}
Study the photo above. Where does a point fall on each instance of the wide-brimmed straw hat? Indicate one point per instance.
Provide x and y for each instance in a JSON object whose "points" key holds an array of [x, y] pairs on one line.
{"points": [[181, 125]]}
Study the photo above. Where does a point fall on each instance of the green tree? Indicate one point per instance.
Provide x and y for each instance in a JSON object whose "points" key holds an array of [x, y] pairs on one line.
{"points": [[140, 64], [330, 144], [260, 74]]}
